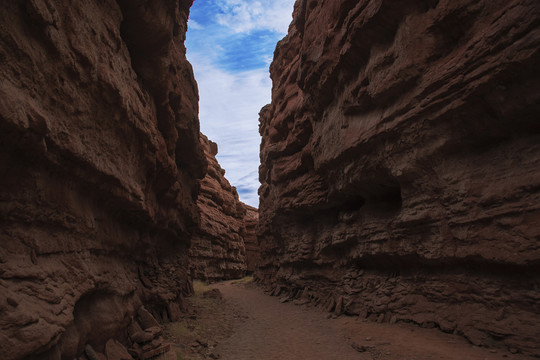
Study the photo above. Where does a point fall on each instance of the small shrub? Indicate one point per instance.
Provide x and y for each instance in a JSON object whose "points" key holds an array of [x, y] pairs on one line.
{"points": [[244, 280], [199, 287]]}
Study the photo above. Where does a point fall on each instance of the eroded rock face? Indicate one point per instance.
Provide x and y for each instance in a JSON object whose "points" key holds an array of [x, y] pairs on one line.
{"points": [[253, 253], [99, 163], [218, 251], [401, 164]]}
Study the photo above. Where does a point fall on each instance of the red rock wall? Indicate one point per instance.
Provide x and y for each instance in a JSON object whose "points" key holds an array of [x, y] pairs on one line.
{"points": [[401, 164], [99, 161], [253, 253], [218, 251]]}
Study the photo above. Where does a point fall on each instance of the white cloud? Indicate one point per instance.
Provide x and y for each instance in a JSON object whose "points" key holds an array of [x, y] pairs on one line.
{"points": [[247, 15], [193, 25], [229, 107], [223, 47]]}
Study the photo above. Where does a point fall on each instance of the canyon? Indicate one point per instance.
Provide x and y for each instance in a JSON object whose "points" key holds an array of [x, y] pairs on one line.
{"points": [[251, 243], [218, 251], [400, 165], [101, 162], [400, 173]]}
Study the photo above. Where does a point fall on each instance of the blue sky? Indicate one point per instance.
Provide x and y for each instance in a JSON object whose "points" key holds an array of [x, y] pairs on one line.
{"points": [[230, 44]]}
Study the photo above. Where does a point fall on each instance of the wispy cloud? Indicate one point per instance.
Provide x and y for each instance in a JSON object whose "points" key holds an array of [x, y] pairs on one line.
{"points": [[192, 24], [229, 106], [230, 44], [247, 15]]}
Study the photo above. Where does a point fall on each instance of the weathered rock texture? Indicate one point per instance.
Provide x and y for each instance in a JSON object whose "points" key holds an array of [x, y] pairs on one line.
{"points": [[401, 164], [253, 253], [218, 251], [99, 163]]}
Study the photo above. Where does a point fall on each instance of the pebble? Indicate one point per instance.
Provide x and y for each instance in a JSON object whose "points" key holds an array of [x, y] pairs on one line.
{"points": [[358, 347]]}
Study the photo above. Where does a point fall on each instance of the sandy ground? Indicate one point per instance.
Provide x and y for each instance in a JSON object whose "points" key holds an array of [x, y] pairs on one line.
{"points": [[272, 330], [250, 325]]}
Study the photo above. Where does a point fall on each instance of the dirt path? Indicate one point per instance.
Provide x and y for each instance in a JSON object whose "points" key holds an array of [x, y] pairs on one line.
{"points": [[271, 330]]}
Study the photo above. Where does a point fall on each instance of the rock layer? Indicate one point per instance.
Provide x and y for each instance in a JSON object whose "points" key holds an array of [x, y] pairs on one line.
{"points": [[253, 252], [401, 165], [99, 163], [218, 251]]}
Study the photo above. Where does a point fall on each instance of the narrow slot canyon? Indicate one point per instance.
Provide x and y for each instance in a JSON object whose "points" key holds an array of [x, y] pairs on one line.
{"points": [[288, 179]]}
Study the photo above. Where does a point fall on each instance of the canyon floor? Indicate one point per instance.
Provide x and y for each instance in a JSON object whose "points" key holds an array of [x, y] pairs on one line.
{"points": [[241, 322]]}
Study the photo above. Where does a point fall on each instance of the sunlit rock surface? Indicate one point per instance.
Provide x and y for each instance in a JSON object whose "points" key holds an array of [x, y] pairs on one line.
{"points": [[99, 160], [401, 165], [218, 250]]}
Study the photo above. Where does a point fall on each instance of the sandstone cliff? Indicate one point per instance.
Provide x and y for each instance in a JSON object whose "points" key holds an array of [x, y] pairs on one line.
{"points": [[218, 251], [253, 254], [401, 164], [99, 163]]}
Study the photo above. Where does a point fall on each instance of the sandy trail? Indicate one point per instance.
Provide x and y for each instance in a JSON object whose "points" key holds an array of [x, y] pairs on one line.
{"points": [[274, 330]]}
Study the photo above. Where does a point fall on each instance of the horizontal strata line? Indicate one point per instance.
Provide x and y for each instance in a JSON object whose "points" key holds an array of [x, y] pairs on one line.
{"points": [[405, 265]]}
